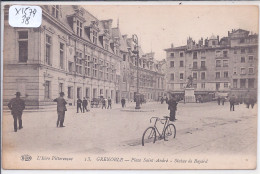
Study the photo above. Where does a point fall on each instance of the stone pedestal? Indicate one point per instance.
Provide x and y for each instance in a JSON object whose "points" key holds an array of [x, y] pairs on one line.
{"points": [[189, 95]]}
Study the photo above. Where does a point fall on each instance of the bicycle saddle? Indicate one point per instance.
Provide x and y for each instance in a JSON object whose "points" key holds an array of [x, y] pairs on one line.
{"points": [[166, 116]]}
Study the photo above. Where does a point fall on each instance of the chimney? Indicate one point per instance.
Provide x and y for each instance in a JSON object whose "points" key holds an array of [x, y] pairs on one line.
{"points": [[172, 45], [218, 37]]}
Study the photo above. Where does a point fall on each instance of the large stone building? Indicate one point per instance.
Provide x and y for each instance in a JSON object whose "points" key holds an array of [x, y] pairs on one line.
{"points": [[72, 51], [217, 65]]}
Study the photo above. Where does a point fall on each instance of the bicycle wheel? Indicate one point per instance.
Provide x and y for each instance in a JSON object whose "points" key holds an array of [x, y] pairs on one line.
{"points": [[149, 135], [169, 132]]}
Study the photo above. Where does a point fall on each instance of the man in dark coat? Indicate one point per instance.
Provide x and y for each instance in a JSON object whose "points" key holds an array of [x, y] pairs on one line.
{"points": [[232, 101], [109, 101], [17, 105], [172, 106], [123, 102], [61, 108], [85, 104], [79, 103], [218, 100]]}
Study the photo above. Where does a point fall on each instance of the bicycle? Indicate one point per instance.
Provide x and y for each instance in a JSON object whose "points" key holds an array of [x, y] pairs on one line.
{"points": [[169, 130]]}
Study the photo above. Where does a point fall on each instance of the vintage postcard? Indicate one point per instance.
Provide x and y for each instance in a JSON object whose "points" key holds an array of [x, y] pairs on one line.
{"points": [[129, 86]]}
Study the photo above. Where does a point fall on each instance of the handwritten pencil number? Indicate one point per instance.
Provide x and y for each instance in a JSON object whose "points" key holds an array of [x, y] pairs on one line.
{"points": [[25, 19]]}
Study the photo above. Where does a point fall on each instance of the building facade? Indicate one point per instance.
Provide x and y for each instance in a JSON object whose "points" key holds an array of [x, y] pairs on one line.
{"points": [[227, 65], [72, 52]]}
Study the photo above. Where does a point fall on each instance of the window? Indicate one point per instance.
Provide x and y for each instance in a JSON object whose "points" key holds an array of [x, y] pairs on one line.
{"points": [[87, 93], [181, 54], [78, 62], [47, 90], [250, 58], [225, 63], [61, 55], [251, 70], [171, 64], [48, 50], [226, 74], [55, 11], [87, 65], [78, 92], [23, 45], [242, 40], [243, 51], [218, 63], [172, 54], [217, 86], [195, 85], [94, 40], [195, 76], [243, 70], [203, 75], [225, 85], [251, 83], [181, 64], [234, 83], [95, 67], [225, 53], [79, 28], [181, 76], [203, 64], [60, 87], [70, 92], [218, 53], [203, 54], [172, 77], [70, 66], [195, 65], [217, 75], [250, 50], [195, 55], [243, 59], [242, 83], [203, 85], [101, 72]]}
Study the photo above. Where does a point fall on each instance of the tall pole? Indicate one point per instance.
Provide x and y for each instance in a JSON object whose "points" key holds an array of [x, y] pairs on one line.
{"points": [[136, 51]]}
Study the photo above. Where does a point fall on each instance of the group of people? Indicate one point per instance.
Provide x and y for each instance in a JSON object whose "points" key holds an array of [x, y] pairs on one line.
{"points": [[83, 104], [106, 103]]}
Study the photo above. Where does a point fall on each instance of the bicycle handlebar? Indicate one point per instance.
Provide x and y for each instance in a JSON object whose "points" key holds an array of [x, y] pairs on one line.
{"points": [[157, 119]]}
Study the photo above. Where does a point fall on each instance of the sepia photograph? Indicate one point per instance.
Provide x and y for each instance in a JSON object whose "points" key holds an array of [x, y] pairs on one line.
{"points": [[129, 86]]}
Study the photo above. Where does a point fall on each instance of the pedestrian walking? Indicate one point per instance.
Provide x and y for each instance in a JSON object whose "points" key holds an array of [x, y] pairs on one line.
{"points": [[109, 101], [85, 104], [79, 103], [17, 105], [223, 100], [104, 103], [61, 109], [232, 101], [162, 99], [218, 100], [123, 102], [172, 106]]}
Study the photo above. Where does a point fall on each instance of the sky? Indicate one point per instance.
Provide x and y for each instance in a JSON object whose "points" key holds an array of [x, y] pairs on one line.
{"points": [[159, 26]]}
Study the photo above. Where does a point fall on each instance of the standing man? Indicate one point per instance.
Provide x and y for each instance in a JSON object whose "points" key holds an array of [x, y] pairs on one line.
{"points": [[109, 101], [218, 100], [123, 102], [104, 103], [61, 108], [232, 101], [84, 104], [79, 102], [172, 106], [223, 100], [17, 105]]}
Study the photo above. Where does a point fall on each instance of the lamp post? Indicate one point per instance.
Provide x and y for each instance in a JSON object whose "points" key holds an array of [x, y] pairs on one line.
{"points": [[136, 51]]}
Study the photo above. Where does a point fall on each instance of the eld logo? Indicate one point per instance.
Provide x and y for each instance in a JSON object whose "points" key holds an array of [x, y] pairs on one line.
{"points": [[26, 158]]}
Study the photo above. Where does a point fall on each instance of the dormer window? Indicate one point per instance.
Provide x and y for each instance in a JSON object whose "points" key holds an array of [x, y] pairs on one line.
{"points": [[79, 28], [55, 11], [94, 39]]}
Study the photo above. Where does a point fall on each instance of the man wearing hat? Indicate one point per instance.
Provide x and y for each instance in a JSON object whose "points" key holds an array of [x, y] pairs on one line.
{"points": [[17, 105], [172, 106], [61, 108]]}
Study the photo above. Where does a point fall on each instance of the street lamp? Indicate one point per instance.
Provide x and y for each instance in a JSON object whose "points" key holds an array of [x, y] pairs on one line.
{"points": [[136, 51]]}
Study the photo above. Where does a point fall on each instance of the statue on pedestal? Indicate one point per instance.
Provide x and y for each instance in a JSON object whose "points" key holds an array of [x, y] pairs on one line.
{"points": [[190, 82]]}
